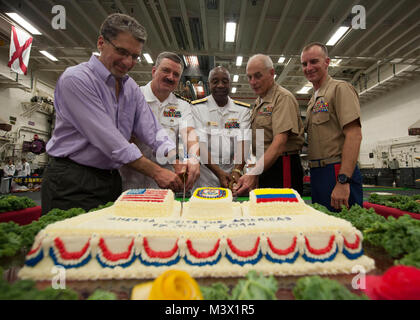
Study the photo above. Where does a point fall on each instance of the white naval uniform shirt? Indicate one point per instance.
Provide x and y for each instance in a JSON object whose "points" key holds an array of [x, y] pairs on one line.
{"points": [[9, 170], [173, 114], [219, 128], [26, 169]]}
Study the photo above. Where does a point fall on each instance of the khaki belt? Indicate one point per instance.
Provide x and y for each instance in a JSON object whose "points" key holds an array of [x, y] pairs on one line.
{"points": [[323, 162]]}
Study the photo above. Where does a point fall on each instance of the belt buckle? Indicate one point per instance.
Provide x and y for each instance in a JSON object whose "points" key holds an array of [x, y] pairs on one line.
{"points": [[315, 163]]}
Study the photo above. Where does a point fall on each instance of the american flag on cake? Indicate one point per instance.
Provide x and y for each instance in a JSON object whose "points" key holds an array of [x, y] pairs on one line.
{"points": [[145, 195]]}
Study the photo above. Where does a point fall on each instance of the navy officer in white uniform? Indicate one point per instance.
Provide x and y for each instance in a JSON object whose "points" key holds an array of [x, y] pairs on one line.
{"points": [[222, 125], [174, 114]]}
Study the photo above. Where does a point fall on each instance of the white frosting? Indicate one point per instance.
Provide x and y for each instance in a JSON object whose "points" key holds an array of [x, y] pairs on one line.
{"points": [[211, 204], [217, 243], [223, 269]]}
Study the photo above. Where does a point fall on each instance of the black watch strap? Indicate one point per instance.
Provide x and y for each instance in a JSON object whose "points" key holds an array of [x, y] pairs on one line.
{"points": [[343, 179]]}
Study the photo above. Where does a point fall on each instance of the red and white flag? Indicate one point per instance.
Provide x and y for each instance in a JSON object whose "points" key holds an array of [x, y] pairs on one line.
{"points": [[20, 50]]}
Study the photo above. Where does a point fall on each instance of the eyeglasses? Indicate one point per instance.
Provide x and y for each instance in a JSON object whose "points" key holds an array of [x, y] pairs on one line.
{"points": [[124, 52]]}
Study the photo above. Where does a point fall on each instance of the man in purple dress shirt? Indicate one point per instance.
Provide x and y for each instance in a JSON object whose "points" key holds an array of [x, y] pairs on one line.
{"points": [[98, 108]]}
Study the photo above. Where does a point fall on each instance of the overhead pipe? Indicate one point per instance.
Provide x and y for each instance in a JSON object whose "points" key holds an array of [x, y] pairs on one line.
{"points": [[33, 130]]}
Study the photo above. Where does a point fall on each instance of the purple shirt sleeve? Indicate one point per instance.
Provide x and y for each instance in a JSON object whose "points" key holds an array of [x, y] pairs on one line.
{"points": [[93, 128], [87, 113]]}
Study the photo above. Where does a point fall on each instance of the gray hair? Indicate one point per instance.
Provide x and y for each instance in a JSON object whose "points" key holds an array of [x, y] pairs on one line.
{"points": [[268, 63], [116, 23], [171, 56], [218, 68], [316, 44]]}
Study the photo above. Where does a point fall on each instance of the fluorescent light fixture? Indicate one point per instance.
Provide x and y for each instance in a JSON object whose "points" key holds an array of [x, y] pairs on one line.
{"points": [[335, 62], [192, 61], [235, 78], [396, 60], [281, 59], [185, 61], [23, 23], [48, 55], [148, 58], [234, 90], [337, 35], [305, 89], [230, 31], [239, 61], [96, 53]]}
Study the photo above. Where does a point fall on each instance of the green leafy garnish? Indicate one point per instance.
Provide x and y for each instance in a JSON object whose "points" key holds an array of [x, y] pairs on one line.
{"points": [[15, 203], [102, 295], [317, 288], [217, 291], [255, 286]]}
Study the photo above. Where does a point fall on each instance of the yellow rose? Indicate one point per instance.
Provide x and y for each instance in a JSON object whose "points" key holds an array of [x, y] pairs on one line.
{"points": [[170, 285]]}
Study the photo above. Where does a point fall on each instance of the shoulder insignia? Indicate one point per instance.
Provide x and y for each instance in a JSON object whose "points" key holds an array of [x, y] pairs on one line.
{"points": [[199, 101], [243, 104], [181, 97]]}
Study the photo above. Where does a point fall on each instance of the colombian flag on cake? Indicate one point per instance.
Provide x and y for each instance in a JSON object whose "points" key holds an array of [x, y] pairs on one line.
{"points": [[275, 195]]}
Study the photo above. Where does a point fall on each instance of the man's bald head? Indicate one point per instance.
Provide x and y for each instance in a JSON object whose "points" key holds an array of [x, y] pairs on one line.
{"points": [[218, 69]]}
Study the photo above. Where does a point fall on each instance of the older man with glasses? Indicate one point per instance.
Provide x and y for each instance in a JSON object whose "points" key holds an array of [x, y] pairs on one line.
{"points": [[98, 109]]}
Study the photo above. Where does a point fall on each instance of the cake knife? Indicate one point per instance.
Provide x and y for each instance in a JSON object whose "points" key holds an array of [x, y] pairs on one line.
{"points": [[183, 194]]}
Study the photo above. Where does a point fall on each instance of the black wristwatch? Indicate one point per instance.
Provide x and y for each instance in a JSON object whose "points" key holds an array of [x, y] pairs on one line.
{"points": [[343, 179]]}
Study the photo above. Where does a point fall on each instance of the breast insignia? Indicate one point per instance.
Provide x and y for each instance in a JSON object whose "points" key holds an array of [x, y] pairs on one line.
{"points": [[243, 104]]}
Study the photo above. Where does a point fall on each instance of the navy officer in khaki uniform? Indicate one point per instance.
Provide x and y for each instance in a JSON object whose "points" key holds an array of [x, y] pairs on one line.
{"points": [[222, 125], [276, 113], [334, 134]]}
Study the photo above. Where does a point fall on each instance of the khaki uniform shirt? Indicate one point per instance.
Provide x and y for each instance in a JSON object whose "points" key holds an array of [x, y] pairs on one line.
{"points": [[276, 113], [335, 105], [173, 114], [219, 128]]}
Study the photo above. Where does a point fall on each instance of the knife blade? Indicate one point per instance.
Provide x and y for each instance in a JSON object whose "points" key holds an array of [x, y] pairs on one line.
{"points": [[183, 194]]}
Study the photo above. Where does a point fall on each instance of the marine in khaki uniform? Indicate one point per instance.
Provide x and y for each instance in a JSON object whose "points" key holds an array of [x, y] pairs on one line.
{"points": [[174, 114], [334, 134], [276, 113], [222, 125]]}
